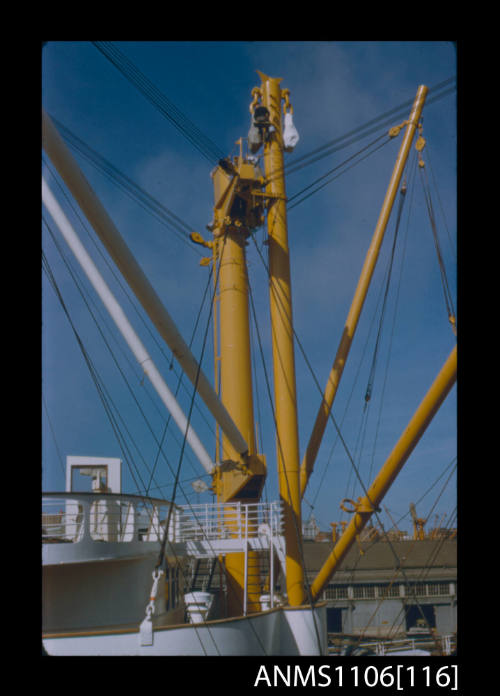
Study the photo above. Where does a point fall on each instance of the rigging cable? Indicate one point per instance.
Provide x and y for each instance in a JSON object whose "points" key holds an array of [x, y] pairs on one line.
{"points": [[126, 293], [59, 457], [371, 377], [201, 142], [383, 121], [355, 381], [92, 370], [144, 199], [162, 551], [355, 468], [444, 279], [412, 586], [325, 183], [106, 400], [452, 245], [426, 568], [97, 323], [307, 585], [190, 412], [106, 403], [412, 177], [167, 423]]}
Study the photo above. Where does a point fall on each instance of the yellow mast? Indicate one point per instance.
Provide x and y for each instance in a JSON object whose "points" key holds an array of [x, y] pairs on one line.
{"points": [[285, 402], [236, 392], [239, 207], [236, 479], [361, 290]]}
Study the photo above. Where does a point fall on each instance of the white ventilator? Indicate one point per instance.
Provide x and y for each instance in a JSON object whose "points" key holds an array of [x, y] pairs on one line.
{"points": [[290, 134]]}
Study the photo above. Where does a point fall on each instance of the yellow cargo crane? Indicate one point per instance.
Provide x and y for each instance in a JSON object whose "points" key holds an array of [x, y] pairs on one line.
{"points": [[418, 524]]}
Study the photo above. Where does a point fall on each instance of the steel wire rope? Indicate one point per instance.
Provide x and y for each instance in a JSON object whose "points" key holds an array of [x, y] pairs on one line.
{"points": [[428, 490], [154, 338], [413, 587], [132, 189], [278, 442], [364, 421], [162, 550], [104, 321], [330, 171], [257, 401], [381, 601], [355, 380], [327, 464], [432, 557], [309, 366], [167, 108], [191, 405], [106, 403], [358, 449], [375, 513], [371, 376], [201, 142], [304, 198], [386, 118], [102, 390], [98, 382], [52, 432], [325, 150], [411, 185], [436, 189], [448, 299], [105, 400], [104, 394], [181, 375], [423, 572]]}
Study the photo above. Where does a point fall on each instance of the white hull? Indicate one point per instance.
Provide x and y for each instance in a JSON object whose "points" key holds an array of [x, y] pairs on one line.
{"points": [[281, 631], [98, 577], [96, 594]]}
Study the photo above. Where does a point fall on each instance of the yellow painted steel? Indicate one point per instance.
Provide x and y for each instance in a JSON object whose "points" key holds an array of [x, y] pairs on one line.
{"points": [[235, 366], [282, 340], [404, 447], [235, 480], [361, 291]]}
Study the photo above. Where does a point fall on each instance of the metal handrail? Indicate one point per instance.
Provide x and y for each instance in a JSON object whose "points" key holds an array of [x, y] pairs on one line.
{"points": [[226, 520], [72, 517]]}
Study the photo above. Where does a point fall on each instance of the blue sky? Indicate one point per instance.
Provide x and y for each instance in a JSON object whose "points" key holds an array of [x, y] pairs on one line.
{"points": [[335, 87]]}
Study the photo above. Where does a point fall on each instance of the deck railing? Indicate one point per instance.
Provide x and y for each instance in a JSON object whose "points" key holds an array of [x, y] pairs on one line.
{"points": [[72, 517], [213, 521]]}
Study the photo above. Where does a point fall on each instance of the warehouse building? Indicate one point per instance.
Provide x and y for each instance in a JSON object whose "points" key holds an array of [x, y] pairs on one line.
{"points": [[390, 589]]}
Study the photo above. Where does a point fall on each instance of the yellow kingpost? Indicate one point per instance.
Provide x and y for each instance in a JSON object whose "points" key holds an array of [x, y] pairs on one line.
{"points": [[236, 393], [236, 480], [282, 338]]}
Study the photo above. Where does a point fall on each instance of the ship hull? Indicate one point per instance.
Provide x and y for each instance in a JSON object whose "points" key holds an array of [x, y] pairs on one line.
{"points": [[280, 631]]}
